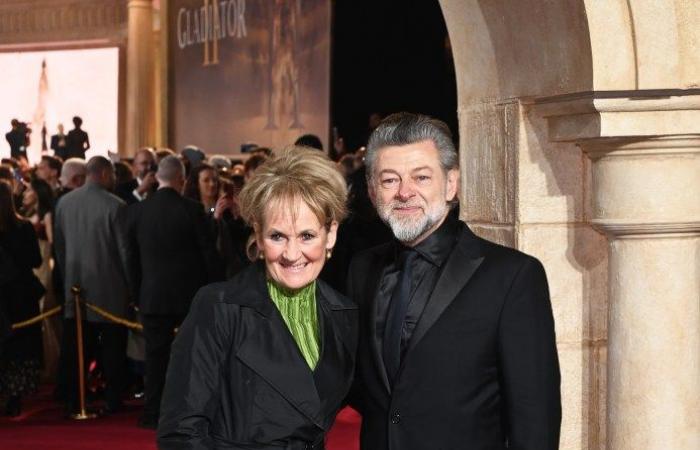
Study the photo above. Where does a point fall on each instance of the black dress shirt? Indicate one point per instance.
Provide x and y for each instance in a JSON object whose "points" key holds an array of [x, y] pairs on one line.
{"points": [[433, 252]]}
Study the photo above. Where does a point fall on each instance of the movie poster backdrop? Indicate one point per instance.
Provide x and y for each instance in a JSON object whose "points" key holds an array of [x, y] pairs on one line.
{"points": [[247, 71]]}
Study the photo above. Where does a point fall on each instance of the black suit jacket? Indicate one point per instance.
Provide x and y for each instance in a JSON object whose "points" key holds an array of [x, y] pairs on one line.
{"points": [[60, 151], [481, 370], [237, 379], [171, 252]]}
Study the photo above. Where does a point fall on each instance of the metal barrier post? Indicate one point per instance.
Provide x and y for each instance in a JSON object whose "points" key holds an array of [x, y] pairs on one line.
{"points": [[83, 414]]}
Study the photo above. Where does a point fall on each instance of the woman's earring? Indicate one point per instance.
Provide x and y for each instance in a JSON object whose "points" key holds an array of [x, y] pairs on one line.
{"points": [[328, 253], [261, 255]]}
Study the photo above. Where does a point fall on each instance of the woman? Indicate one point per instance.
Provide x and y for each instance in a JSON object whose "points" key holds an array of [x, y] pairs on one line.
{"points": [[20, 358], [37, 207], [264, 360], [203, 185]]}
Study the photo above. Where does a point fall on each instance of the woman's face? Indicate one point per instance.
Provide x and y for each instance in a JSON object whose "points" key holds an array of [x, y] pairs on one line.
{"points": [[208, 184], [294, 245], [29, 198]]}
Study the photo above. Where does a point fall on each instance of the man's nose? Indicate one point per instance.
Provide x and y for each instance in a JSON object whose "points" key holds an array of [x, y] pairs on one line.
{"points": [[406, 190]]}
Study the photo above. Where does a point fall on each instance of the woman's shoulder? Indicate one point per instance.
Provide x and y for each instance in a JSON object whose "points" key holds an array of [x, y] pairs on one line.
{"points": [[246, 288]]}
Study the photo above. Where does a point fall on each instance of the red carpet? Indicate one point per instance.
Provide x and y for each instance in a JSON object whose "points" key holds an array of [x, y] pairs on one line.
{"points": [[42, 426]]}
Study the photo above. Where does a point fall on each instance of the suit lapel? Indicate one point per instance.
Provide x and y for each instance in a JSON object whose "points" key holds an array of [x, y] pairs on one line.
{"points": [[461, 265], [376, 274]]}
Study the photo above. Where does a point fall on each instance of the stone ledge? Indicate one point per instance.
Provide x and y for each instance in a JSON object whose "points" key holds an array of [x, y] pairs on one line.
{"points": [[632, 229]]}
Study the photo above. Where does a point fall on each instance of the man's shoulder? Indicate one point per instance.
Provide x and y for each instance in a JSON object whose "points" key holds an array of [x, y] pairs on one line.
{"points": [[498, 255]]}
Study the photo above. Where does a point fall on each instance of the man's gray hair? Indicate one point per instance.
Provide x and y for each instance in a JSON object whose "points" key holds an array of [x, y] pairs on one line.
{"points": [[406, 128], [71, 168], [170, 168]]}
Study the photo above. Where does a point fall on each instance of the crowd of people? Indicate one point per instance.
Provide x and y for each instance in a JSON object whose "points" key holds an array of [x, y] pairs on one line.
{"points": [[271, 292], [141, 261]]}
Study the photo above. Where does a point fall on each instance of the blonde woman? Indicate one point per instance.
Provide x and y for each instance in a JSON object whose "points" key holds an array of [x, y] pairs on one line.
{"points": [[264, 360]]}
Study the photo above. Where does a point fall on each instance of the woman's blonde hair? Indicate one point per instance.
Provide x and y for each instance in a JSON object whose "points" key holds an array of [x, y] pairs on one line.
{"points": [[295, 174]]}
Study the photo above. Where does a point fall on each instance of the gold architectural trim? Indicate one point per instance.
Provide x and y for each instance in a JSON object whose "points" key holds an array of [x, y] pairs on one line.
{"points": [[33, 21]]}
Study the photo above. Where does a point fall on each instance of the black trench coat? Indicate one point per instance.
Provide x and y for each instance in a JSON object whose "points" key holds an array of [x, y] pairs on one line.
{"points": [[237, 379]]}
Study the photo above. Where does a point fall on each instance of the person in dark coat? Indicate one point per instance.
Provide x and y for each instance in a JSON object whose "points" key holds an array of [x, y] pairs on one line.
{"points": [[59, 143], [17, 138], [457, 346], [172, 256], [78, 140], [264, 361], [21, 356], [144, 182]]}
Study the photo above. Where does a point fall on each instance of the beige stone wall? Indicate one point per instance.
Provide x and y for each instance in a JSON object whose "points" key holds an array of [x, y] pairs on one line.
{"points": [[537, 82]]}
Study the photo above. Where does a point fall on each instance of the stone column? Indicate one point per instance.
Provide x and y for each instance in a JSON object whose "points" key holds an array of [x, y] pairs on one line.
{"points": [[646, 199], [644, 153], [139, 77]]}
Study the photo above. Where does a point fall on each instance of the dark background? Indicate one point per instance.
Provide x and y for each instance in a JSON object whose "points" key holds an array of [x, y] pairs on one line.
{"points": [[389, 56]]}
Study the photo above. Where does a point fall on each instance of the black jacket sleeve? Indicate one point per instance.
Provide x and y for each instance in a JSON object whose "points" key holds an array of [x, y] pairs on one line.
{"points": [[529, 362], [190, 396]]}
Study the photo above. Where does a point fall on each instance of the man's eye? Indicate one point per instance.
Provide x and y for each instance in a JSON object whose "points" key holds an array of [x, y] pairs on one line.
{"points": [[423, 178], [388, 182]]}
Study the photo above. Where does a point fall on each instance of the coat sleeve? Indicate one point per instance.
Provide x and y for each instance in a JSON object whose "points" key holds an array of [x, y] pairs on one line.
{"points": [[529, 362], [193, 382]]}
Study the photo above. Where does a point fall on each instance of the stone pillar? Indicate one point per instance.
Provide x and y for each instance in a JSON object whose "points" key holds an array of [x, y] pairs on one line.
{"points": [[139, 77], [646, 199]]}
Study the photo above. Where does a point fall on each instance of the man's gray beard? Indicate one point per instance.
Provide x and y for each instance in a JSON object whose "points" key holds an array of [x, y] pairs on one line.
{"points": [[409, 229]]}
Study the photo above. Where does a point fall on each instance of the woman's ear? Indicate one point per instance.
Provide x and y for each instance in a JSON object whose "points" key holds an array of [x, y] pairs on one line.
{"points": [[332, 234]]}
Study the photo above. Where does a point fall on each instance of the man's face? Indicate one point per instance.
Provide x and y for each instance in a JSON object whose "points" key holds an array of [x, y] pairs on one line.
{"points": [[143, 163], [410, 190], [45, 172]]}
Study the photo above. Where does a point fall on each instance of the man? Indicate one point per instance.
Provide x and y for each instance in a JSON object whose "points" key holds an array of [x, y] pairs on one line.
{"points": [[17, 138], [457, 347], [72, 176], [78, 140], [90, 249], [144, 183], [49, 170], [59, 143], [172, 255]]}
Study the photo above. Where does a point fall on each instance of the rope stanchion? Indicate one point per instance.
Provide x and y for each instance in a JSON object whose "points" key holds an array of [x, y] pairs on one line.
{"points": [[53, 311], [109, 316], [83, 414]]}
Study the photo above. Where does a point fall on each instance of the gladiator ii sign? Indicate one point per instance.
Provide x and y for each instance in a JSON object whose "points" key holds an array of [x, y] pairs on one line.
{"points": [[247, 71]]}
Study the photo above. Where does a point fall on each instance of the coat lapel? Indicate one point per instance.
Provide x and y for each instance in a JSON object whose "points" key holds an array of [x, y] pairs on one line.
{"points": [[338, 325], [459, 268], [269, 349]]}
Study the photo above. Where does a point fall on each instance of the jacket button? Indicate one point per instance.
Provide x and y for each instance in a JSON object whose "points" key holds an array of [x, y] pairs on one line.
{"points": [[396, 418]]}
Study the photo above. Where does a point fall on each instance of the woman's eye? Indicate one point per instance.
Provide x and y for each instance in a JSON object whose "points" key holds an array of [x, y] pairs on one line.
{"points": [[307, 236], [276, 236]]}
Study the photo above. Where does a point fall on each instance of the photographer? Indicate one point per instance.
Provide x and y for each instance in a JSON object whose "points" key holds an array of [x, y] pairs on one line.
{"points": [[145, 182], [18, 138]]}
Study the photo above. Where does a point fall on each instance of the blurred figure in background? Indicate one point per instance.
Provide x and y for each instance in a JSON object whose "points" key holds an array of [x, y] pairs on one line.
{"points": [[72, 176], [37, 208], [203, 186], [21, 354], [144, 182], [49, 170], [78, 140], [59, 143], [89, 234], [171, 255]]}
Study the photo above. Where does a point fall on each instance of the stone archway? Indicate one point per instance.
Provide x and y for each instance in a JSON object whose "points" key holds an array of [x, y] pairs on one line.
{"points": [[578, 116]]}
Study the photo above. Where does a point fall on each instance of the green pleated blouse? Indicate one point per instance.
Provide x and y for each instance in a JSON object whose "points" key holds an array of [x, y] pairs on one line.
{"points": [[298, 310]]}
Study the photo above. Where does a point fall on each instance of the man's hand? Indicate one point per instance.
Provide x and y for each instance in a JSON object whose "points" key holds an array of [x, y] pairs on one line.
{"points": [[147, 184]]}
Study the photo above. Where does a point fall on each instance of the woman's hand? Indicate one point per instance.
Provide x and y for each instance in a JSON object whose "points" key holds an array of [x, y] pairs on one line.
{"points": [[222, 204]]}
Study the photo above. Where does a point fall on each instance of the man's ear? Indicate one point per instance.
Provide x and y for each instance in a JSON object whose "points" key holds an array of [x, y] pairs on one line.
{"points": [[371, 191], [452, 184]]}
